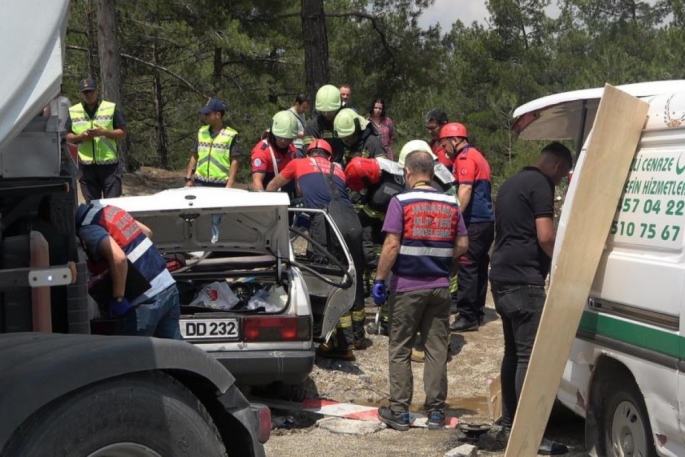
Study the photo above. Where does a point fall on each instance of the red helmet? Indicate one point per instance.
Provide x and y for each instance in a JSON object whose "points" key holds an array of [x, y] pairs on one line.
{"points": [[361, 173], [320, 144], [452, 130]]}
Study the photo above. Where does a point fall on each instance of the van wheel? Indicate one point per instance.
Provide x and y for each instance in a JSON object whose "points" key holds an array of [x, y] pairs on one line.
{"points": [[146, 414], [627, 432]]}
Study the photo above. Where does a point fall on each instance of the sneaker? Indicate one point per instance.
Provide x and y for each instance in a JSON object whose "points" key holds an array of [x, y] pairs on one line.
{"points": [[372, 329], [418, 356], [398, 421], [335, 353], [436, 419]]}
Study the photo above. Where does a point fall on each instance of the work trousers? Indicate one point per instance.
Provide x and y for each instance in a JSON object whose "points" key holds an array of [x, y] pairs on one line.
{"points": [[100, 181], [351, 324], [520, 307], [473, 272], [371, 237], [426, 311]]}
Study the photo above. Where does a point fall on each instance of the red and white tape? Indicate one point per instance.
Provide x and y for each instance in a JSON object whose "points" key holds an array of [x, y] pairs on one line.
{"points": [[349, 411]]}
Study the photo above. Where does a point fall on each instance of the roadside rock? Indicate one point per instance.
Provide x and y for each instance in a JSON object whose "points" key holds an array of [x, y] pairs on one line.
{"points": [[350, 427], [465, 450]]}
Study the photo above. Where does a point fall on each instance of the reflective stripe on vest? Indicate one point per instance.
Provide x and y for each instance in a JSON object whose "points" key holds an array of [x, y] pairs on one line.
{"points": [[214, 155], [139, 249], [99, 150], [429, 230]]}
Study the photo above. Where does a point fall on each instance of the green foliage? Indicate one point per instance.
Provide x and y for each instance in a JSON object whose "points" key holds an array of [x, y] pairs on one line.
{"points": [[250, 54]]}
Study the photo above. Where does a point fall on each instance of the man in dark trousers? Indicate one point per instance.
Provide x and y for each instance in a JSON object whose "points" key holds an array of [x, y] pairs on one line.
{"points": [[524, 227], [424, 237], [321, 183], [472, 173], [96, 126]]}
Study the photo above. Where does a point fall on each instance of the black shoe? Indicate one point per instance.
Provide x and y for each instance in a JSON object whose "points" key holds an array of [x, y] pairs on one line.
{"points": [[463, 325], [335, 353], [373, 329], [436, 419], [398, 421], [549, 447]]}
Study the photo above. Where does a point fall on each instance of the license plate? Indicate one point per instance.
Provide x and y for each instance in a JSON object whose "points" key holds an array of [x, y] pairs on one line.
{"points": [[209, 328]]}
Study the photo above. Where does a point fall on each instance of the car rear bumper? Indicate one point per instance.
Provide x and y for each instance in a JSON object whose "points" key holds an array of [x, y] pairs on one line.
{"points": [[259, 368]]}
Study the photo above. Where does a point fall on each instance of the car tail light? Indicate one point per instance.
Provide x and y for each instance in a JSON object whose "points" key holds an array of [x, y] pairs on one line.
{"points": [[277, 328], [263, 414]]}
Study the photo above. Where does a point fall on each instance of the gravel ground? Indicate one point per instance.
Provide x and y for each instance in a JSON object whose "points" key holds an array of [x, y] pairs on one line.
{"points": [[474, 363]]}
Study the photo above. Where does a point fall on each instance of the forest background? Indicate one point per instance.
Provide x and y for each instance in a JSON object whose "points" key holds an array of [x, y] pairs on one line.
{"points": [[160, 60]]}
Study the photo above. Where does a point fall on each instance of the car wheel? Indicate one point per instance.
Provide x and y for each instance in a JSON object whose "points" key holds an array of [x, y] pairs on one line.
{"points": [[627, 432], [146, 414]]}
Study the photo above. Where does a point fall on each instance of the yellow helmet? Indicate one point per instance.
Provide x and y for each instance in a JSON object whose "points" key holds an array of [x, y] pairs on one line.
{"points": [[347, 121], [328, 99], [284, 125], [414, 146]]}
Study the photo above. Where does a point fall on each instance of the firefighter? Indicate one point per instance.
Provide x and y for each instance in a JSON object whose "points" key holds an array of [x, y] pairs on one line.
{"points": [[321, 184], [327, 105], [272, 153], [213, 162], [359, 136], [375, 181]]}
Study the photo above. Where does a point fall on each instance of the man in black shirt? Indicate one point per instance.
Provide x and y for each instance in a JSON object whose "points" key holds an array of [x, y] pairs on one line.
{"points": [[524, 243]]}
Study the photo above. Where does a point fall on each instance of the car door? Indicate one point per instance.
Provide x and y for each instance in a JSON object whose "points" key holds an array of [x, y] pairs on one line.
{"points": [[331, 280]]}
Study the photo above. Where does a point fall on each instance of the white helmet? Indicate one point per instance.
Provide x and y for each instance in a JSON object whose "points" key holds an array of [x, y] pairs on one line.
{"points": [[414, 146]]}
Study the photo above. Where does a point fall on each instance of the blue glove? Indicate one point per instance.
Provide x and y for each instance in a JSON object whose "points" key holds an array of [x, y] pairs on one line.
{"points": [[119, 308], [380, 292]]}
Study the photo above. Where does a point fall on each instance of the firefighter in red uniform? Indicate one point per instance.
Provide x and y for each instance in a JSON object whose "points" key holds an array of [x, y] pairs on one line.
{"points": [[472, 172], [272, 153], [321, 183]]}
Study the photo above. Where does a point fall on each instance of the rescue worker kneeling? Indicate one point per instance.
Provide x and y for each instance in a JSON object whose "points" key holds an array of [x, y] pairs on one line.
{"points": [[144, 296], [359, 135], [321, 183], [424, 238]]}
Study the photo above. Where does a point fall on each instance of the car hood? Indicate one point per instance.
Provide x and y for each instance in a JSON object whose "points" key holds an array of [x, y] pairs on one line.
{"points": [[186, 219]]}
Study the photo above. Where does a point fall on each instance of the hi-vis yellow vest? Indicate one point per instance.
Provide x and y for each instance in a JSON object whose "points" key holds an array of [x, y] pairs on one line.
{"points": [[214, 155], [101, 150]]}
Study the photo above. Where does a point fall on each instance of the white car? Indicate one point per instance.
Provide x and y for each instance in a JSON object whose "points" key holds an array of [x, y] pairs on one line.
{"points": [[244, 239]]}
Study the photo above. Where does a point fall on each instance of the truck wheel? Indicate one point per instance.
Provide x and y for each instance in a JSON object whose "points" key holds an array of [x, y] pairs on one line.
{"points": [[627, 432], [146, 414]]}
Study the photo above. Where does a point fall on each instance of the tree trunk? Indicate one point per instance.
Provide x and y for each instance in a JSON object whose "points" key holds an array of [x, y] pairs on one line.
{"points": [[315, 41], [92, 36], [162, 144], [218, 68], [110, 75]]}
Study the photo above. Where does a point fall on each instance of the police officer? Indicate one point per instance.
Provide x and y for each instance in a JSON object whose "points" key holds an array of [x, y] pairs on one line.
{"points": [[472, 172], [359, 136], [322, 185], [114, 239], [213, 162], [96, 126], [273, 153], [327, 105]]}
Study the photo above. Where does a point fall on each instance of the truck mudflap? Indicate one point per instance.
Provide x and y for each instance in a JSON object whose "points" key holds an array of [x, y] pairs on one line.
{"points": [[39, 368]]}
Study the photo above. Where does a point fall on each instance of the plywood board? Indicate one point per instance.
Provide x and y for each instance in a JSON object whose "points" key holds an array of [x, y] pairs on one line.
{"points": [[615, 136]]}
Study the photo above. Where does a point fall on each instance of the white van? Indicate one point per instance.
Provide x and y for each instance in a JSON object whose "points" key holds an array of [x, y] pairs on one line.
{"points": [[624, 374]]}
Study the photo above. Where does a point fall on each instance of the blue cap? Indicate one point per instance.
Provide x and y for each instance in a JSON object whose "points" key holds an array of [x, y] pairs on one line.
{"points": [[214, 104], [87, 84]]}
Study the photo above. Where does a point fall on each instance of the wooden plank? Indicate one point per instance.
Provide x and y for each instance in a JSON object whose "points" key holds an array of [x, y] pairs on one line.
{"points": [[615, 136]]}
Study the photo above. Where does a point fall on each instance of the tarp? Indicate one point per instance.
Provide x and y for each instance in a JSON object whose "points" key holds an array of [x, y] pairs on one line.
{"points": [[31, 52]]}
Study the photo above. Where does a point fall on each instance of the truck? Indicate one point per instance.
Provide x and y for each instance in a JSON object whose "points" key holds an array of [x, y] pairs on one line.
{"points": [[64, 391]]}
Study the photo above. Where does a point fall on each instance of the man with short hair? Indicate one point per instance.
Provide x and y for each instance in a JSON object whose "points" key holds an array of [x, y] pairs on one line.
{"points": [[96, 126], [524, 243], [346, 97], [424, 238], [472, 172], [299, 110], [213, 162], [434, 121], [114, 240]]}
